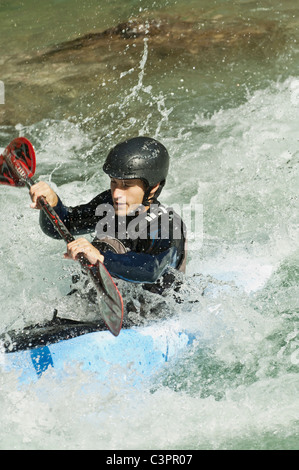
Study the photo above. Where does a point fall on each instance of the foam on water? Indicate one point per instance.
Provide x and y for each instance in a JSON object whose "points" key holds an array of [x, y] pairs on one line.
{"points": [[237, 385]]}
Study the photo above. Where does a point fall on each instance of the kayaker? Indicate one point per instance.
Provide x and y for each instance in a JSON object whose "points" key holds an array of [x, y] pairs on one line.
{"points": [[137, 238]]}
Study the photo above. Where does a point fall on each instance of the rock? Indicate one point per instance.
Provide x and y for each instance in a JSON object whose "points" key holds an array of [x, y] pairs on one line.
{"points": [[60, 82]]}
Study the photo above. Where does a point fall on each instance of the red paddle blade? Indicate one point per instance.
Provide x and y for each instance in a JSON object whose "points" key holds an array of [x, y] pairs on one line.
{"points": [[109, 297], [19, 153]]}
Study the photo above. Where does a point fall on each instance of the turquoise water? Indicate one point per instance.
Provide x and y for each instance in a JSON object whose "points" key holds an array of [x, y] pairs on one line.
{"points": [[219, 85]]}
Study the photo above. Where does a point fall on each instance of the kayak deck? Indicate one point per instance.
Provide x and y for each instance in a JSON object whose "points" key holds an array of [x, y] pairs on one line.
{"points": [[140, 350]]}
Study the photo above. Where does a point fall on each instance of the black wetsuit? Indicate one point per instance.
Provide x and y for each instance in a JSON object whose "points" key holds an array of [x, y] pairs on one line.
{"points": [[150, 242]]}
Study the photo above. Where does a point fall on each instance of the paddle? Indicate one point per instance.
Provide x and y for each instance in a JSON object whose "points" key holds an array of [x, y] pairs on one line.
{"points": [[17, 166]]}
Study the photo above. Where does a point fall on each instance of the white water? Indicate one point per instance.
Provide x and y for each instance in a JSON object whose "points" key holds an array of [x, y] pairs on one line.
{"points": [[237, 387]]}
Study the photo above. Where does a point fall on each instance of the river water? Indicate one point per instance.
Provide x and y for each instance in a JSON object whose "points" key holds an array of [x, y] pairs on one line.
{"points": [[226, 105]]}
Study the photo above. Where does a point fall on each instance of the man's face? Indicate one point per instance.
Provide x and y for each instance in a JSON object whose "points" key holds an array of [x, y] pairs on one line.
{"points": [[127, 195]]}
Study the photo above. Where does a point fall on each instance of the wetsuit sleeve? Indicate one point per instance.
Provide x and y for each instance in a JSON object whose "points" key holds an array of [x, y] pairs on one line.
{"points": [[140, 267], [45, 224], [78, 220], [155, 254]]}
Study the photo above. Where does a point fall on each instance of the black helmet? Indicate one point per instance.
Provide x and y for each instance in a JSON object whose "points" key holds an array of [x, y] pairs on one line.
{"points": [[141, 157]]}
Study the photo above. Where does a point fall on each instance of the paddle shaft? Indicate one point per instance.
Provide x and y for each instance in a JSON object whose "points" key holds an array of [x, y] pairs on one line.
{"points": [[93, 274], [21, 165], [53, 217], [60, 226]]}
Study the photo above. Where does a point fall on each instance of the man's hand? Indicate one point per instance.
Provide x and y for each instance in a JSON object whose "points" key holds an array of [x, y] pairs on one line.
{"points": [[42, 189], [82, 246]]}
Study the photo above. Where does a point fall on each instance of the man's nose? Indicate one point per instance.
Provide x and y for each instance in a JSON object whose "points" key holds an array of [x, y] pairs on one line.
{"points": [[118, 193]]}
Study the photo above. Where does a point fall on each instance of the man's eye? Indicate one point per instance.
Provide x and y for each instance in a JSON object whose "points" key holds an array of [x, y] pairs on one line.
{"points": [[123, 184]]}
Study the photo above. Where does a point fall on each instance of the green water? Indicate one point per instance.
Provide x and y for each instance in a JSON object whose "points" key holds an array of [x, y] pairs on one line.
{"points": [[206, 78], [226, 106]]}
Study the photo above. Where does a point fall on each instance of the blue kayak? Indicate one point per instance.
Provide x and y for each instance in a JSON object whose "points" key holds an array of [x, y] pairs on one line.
{"points": [[140, 351]]}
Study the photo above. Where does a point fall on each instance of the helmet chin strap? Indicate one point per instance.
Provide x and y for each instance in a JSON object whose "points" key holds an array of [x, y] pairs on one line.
{"points": [[147, 200]]}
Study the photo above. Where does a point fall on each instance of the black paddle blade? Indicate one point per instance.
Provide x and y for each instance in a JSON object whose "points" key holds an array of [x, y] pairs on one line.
{"points": [[109, 298], [18, 154]]}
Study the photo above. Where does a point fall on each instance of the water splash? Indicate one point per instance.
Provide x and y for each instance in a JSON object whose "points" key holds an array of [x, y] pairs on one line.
{"points": [[150, 108], [237, 386]]}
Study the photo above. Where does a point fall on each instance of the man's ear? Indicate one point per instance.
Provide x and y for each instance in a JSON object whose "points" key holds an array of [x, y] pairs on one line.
{"points": [[153, 190]]}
